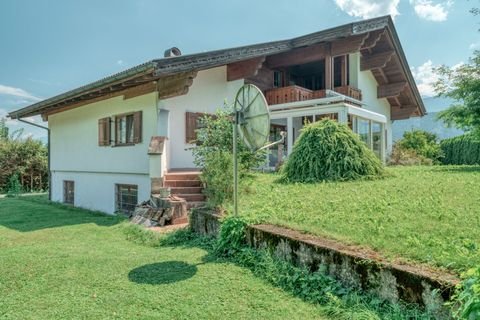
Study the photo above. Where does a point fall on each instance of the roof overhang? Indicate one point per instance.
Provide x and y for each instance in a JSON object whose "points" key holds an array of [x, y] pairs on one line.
{"points": [[173, 76]]}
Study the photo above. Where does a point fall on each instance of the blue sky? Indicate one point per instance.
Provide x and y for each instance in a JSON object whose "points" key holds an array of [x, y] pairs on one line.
{"points": [[48, 47]]}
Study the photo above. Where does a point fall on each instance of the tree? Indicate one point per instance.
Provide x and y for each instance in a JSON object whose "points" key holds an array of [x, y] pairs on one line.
{"points": [[214, 152], [26, 158], [462, 84], [3, 129]]}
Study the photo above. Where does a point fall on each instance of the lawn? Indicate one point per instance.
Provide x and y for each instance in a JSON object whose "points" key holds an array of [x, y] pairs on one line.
{"points": [[427, 214], [66, 263]]}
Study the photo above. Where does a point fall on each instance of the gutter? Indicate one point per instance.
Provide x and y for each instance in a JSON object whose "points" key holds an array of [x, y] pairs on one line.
{"points": [[48, 152]]}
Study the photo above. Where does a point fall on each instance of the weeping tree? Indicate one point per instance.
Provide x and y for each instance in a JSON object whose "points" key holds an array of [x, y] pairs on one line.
{"points": [[329, 151]]}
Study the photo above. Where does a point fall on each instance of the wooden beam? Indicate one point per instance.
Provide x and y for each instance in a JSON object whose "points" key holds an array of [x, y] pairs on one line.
{"points": [[328, 72], [298, 56], [390, 89], [375, 60], [244, 69], [129, 93], [175, 85], [373, 39], [404, 112], [344, 68], [348, 45], [263, 79]]}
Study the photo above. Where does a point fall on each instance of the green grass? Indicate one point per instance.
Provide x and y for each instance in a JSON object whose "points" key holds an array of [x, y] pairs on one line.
{"points": [[65, 263], [426, 214]]}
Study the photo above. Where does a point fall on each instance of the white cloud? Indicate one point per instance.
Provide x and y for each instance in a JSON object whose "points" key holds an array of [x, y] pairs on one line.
{"points": [[366, 9], [474, 46], [425, 78], [120, 62], [429, 10], [17, 92]]}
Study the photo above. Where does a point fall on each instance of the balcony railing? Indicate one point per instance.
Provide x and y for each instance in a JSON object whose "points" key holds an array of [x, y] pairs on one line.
{"points": [[297, 93]]}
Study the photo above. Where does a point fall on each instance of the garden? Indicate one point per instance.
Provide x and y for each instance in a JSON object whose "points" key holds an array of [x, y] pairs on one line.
{"points": [[423, 208]]}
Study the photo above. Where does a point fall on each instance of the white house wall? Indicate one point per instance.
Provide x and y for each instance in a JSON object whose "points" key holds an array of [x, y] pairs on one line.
{"points": [[96, 190], [368, 85], [76, 155], [209, 91]]}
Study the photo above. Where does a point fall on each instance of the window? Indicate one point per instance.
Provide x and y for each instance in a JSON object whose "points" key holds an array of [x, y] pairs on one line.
{"points": [[277, 79], [363, 128], [128, 129], [377, 135], [193, 122], [126, 198], [68, 192]]}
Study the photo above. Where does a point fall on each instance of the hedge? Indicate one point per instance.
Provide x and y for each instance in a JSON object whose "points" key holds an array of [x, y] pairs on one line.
{"points": [[464, 149]]}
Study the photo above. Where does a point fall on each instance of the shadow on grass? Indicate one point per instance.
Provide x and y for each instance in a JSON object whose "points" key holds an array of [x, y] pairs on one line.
{"points": [[33, 213], [457, 169], [162, 273]]}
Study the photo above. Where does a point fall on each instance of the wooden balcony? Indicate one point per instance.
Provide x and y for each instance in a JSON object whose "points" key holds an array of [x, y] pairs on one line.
{"points": [[297, 93], [350, 92]]}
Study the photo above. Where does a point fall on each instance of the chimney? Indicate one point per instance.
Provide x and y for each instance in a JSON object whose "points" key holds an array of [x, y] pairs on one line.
{"points": [[172, 52]]}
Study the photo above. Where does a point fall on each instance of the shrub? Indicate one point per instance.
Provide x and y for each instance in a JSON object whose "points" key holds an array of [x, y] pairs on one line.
{"points": [[407, 157], [14, 187], [464, 149], [217, 174], [424, 144], [214, 154], [329, 151], [466, 300]]}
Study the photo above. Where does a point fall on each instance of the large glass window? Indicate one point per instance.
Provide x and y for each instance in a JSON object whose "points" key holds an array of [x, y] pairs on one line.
{"points": [[279, 151], [363, 130], [377, 138]]}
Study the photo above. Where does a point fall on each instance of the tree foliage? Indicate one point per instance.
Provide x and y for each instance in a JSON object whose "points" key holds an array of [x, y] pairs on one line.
{"points": [[329, 151], [464, 149], [25, 158], [462, 84], [418, 144], [3, 129], [214, 154]]}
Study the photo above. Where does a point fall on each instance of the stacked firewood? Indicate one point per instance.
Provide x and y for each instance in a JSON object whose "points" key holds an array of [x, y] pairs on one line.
{"points": [[160, 211]]}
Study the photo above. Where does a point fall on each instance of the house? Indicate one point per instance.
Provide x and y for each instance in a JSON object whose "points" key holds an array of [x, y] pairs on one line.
{"points": [[115, 141]]}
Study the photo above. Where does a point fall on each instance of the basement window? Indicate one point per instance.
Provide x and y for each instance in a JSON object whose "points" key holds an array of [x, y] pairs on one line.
{"points": [[68, 192], [126, 198]]}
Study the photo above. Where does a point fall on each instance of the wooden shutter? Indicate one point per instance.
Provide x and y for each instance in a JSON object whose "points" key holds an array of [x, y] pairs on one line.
{"points": [[104, 132], [137, 127], [190, 127]]}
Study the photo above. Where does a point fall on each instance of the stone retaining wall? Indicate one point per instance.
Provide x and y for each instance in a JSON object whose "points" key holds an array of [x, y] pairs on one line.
{"points": [[205, 221], [354, 267], [358, 267]]}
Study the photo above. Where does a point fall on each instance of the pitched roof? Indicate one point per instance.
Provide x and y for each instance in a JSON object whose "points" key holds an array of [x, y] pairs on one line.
{"points": [[159, 68]]}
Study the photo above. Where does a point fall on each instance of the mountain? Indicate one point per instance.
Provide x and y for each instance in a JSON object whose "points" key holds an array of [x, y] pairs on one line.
{"points": [[429, 122]]}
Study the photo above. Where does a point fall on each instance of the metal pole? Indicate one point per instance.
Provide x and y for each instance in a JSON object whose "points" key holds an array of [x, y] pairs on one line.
{"points": [[235, 166]]}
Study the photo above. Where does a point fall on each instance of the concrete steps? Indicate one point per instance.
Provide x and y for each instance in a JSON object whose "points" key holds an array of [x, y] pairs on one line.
{"points": [[186, 185]]}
